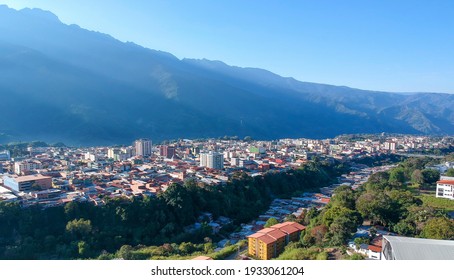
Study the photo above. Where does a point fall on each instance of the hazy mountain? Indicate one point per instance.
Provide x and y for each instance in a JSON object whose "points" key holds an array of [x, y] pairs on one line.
{"points": [[63, 83]]}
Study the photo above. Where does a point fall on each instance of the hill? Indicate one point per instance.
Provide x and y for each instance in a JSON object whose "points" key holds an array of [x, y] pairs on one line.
{"points": [[61, 82]]}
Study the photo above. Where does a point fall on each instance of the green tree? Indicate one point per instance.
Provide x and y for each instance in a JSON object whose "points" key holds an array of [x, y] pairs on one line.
{"points": [[439, 228], [344, 196], [417, 177], [431, 176], [450, 172], [125, 252], [80, 228], [271, 222], [397, 176]]}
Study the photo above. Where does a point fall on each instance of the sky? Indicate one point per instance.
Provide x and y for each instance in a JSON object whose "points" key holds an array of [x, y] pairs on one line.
{"points": [[398, 46]]}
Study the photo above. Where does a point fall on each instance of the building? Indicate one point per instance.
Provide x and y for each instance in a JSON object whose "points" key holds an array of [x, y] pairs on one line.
{"points": [[212, 160], [143, 147], [22, 167], [269, 242], [445, 189], [407, 248], [27, 183], [113, 153], [167, 151], [391, 146]]}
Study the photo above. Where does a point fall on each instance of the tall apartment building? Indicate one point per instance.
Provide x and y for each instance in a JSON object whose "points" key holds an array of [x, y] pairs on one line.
{"points": [[143, 147], [212, 160], [391, 146], [167, 151], [269, 242], [21, 167]]}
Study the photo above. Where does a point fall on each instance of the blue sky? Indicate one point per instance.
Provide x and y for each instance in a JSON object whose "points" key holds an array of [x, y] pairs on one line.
{"points": [[392, 45]]}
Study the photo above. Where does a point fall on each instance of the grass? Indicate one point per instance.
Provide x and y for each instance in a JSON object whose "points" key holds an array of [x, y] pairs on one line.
{"points": [[437, 202]]}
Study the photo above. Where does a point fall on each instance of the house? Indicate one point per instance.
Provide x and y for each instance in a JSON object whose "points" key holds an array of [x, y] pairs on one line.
{"points": [[445, 189]]}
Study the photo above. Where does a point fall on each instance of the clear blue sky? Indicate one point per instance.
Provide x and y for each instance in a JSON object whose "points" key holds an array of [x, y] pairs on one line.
{"points": [[393, 45]]}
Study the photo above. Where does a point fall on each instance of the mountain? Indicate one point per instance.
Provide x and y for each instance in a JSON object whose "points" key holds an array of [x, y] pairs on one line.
{"points": [[61, 82]]}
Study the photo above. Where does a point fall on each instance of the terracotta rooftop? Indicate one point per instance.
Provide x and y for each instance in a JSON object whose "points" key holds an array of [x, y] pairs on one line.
{"points": [[449, 182]]}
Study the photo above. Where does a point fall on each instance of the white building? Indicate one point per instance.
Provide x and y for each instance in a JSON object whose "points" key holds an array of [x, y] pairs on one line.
{"points": [[445, 189], [24, 166], [143, 147], [213, 160]]}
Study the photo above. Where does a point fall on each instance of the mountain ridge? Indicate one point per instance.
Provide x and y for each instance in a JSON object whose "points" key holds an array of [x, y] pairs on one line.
{"points": [[99, 90]]}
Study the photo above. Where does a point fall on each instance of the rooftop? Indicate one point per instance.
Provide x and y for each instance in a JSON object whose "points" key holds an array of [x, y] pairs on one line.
{"points": [[407, 248], [20, 179]]}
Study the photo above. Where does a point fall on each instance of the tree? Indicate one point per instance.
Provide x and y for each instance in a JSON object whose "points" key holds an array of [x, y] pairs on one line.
{"points": [[397, 176], [375, 206], [450, 172], [439, 228], [417, 177], [79, 228], [125, 252], [271, 222], [344, 196], [430, 176]]}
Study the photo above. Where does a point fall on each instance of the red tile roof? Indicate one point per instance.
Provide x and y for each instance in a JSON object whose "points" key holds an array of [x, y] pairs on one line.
{"points": [[449, 182], [374, 248], [267, 239]]}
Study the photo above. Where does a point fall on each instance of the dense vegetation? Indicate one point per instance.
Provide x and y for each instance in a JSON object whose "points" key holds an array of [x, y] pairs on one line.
{"points": [[391, 199], [82, 230]]}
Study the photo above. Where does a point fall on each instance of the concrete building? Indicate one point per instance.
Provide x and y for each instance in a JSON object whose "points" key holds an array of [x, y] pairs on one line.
{"points": [[407, 248], [143, 147], [113, 153], [27, 183], [391, 146], [269, 242], [167, 151], [212, 160], [22, 167], [445, 189]]}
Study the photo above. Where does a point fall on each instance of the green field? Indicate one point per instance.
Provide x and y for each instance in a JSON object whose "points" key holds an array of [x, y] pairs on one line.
{"points": [[439, 203]]}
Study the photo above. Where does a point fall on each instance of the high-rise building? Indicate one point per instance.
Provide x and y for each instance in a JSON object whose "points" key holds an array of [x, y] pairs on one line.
{"points": [[391, 146], [143, 147], [167, 151], [212, 160]]}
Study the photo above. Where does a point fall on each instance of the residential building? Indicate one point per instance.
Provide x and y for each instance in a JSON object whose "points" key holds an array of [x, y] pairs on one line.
{"points": [[269, 242], [391, 146], [212, 160], [445, 189], [22, 167], [167, 151], [143, 147], [27, 183], [113, 153], [407, 248]]}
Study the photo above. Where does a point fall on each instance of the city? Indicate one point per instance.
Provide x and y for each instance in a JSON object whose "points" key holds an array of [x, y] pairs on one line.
{"points": [[54, 176]]}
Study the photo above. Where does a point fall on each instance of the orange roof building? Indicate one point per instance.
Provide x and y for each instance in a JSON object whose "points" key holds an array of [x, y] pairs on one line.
{"points": [[269, 242]]}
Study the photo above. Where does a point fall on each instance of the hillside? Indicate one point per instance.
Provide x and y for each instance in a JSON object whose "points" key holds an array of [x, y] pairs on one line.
{"points": [[60, 82]]}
